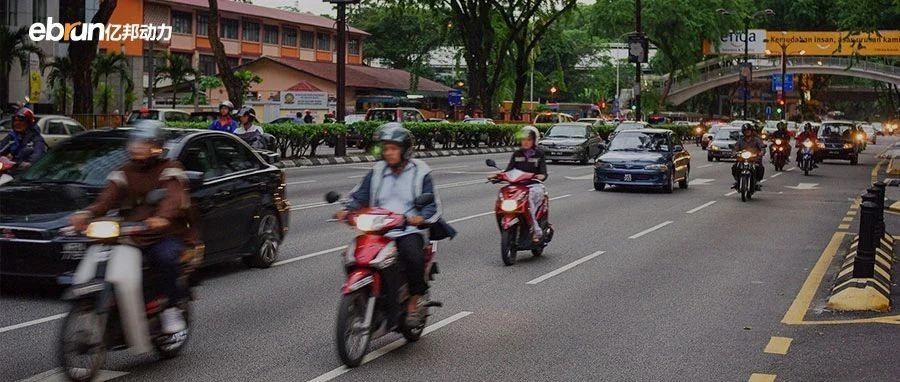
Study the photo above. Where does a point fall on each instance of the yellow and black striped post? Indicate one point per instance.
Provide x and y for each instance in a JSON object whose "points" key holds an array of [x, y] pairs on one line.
{"points": [[864, 263]]}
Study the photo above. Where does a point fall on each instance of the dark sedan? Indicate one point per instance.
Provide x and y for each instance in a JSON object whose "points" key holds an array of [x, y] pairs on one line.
{"points": [[572, 141], [237, 195], [646, 158], [840, 141]]}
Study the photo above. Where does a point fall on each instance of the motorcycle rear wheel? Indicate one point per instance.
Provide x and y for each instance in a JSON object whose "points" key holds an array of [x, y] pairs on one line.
{"points": [[71, 351], [507, 246], [352, 338]]}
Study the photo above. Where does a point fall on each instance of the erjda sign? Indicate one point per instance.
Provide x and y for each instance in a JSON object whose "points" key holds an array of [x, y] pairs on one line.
{"points": [[733, 43]]}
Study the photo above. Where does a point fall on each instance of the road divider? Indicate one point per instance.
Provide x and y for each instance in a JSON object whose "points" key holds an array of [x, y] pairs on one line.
{"points": [[564, 268], [651, 229]]}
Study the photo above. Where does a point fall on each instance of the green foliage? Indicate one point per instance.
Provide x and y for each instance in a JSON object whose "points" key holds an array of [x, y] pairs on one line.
{"points": [[60, 74], [248, 79], [103, 66]]}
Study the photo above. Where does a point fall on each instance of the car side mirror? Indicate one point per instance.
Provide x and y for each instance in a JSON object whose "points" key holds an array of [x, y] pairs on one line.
{"points": [[423, 200], [155, 197], [195, 179], [332, 197], [491, 163]]}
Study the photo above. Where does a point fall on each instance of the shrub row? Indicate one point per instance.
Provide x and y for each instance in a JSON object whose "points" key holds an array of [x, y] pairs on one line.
{"points": [[297, 140]]}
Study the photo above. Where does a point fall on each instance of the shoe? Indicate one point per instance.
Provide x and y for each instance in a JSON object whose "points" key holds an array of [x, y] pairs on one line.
{"points": [[412, 319], [734, 186], [172, 321], [537, 235]]}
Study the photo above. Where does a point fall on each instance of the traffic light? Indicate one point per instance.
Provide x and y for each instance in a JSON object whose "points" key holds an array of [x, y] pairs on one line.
{"points": [[780, 103], [778, 110]]}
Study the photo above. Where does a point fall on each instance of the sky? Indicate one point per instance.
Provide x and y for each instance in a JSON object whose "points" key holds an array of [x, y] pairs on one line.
{"points": [[317, 7]]}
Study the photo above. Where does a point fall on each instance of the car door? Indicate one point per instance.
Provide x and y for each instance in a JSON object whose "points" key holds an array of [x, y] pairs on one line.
{"points": [[237, 166], [593, 142], [207, 199], [681, 159]]}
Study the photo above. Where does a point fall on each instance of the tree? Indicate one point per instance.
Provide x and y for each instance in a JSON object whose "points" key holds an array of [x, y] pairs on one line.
{"points": [[248, 79], [82, 54], [233, 85], [104, 66], [60, 74], [176, 69], [16, 48]]}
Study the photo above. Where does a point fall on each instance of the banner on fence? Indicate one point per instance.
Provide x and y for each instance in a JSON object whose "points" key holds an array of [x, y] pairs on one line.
{"points": [[304, 100]]}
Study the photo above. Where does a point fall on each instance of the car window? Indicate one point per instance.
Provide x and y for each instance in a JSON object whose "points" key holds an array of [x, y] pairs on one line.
{"points": [[728, 135], [628, 126], [567, 131], [197, 157], [384, 115], [87, 162], [835, 129], [55, 127], [74, 128], [232, 157], [639, 141], [412, 116]]}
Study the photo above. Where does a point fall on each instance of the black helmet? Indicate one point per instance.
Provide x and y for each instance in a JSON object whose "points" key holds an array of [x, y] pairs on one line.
{"points": [[782, 125], [148, 130], [246, 110], [394, 132], [746, 127], [807, 126]]}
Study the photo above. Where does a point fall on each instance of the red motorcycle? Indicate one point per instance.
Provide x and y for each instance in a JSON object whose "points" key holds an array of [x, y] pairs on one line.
{"points": [[363, 312], [513, 217]]}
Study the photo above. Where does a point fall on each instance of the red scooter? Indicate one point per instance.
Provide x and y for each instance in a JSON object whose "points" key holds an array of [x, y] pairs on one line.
{"points": [[363, 312], [513, 218]]}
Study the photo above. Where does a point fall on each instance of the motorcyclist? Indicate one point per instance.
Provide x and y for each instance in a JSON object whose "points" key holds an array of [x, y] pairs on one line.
{"points": [[248, 130], [24, 144], [167, 227], [783, 134], [750, 142], [808, 134], [529, 158], [394, 183], [224, 122]]}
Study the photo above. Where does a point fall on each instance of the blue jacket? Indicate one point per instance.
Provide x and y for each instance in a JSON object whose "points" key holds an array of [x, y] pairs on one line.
{"points": [[27, 148], [217, 126]]}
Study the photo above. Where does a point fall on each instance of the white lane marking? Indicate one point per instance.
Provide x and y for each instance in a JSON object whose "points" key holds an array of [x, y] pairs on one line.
{"points": [[356, 176], [32, 322], [560, 197], [309, 205], [389, 347], [581, 167], [301, 182], [791, 169], [464, 218], [583, 177], [804, 186], [776, 175], [461, 183], [731, 193], [705, 166], [564, 268], [763, 180], [447, 168], [57, 374], [700, 207], [701, 181], [303, 257], [651, 229]]}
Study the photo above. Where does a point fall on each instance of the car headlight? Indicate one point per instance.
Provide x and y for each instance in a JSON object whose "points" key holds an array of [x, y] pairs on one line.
{"points": [[369, 223], [509, 205], [714, 148], [848, 145], [807, 144], [599, 164], [102, 230], [820, 145], [746, 155], [657, 167]]}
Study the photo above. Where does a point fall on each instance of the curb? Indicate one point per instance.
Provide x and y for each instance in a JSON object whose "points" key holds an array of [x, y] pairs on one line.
{"points": [[864, 294], [304, 162]]}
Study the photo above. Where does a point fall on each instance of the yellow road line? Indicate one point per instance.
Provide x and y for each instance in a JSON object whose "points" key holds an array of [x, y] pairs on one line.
{"points": [[875, 170], [844, 226], [851, 213], [847, 219], [778, 345], [759, 377], [801, 303], [892, 320]]}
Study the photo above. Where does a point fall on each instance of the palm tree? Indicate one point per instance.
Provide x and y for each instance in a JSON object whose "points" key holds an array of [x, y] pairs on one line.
{"points": [[16, 47], [176, 69], [60, 74], [106, 65]]}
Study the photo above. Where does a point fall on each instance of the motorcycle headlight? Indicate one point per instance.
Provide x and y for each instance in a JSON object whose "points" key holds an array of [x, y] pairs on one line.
{"points": [[821, 145], [102, 230], [860, 137], [807, 144], [698, 130], [848, 145], [599, 164], [657, 167], [746, 155], [778, 141], [509, 205], [369, 223]]}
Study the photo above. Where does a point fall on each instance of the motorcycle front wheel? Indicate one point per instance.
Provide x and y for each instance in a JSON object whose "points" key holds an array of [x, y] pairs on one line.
{"points": [[351, 334], [82, 342], [507, 245], [170, 345]]}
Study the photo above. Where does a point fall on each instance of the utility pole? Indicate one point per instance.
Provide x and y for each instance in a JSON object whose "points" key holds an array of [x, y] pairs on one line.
{"points": [[746, 81], [637, 64], [152, 74], [340, 148]]}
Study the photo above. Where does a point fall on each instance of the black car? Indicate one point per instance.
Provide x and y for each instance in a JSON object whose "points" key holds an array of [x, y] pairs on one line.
{"points": [[840, 141], [644, 158], [572, 141], [238, 197]]}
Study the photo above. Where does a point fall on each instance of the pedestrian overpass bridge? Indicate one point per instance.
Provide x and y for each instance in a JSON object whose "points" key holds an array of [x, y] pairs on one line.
{"points": [[684, 89]]}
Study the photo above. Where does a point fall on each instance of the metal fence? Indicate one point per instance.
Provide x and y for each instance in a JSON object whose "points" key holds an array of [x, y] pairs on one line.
{"points": [[99, 121]]}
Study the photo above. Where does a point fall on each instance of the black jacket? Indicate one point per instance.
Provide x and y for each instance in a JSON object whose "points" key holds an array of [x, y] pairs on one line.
{"points": [[535, 164]]}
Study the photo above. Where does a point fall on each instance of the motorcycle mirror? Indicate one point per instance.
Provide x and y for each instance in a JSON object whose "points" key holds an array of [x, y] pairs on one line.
{"points": [[155, 196], [424, 200], [332, 197], [490, 163]]}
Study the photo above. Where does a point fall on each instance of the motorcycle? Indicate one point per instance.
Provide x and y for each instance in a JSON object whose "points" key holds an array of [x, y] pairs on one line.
{"points": [[114, 303], [363, 314], [6, 165], [807, 160], [747, 177], [779, 154], [511, 209]]}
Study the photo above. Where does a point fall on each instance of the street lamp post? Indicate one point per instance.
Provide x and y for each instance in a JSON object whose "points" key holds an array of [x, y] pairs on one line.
{"points": [[784, 47], [745, 80], [340, 148]]}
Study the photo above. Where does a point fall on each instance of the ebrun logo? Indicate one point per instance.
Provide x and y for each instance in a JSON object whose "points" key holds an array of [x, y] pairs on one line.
{"points": [[78, 31]]}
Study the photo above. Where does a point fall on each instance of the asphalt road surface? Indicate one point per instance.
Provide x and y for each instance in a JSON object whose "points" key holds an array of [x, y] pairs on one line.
{"points": [[636, 286]]}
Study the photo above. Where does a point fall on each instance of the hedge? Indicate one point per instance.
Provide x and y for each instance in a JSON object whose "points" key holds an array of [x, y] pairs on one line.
{"points": [[297, 140]]}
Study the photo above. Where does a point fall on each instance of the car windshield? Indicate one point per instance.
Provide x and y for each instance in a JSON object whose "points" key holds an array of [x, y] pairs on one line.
{"points": [[136, 115], [85, 162], [567, 131], [835, 129], [638, 141], [628, 126], [728, 135]]}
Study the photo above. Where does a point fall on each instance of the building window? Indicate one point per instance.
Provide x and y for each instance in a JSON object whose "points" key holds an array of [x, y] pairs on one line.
{"points": [[233, 61], [182, 22], [187, 57], [270, 34], [324, 42], [251, 31], [207, 65], [229, 29], [39, 11], [308, 40], [353, 46], [8, 12], [202, 25], [289, 37]]}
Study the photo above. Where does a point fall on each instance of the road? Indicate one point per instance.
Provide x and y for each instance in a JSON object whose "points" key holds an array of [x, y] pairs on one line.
{"points": [[636, 286]]}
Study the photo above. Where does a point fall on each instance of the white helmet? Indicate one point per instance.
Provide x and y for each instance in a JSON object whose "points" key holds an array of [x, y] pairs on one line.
{"points": [[227, 104], [530, 130]]}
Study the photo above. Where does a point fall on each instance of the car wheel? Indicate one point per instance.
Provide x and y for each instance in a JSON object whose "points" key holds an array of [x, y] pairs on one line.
{"points": [[268, 239], [670, 185], [709, 157], [854, 161], [683, 184], [599, 186]]}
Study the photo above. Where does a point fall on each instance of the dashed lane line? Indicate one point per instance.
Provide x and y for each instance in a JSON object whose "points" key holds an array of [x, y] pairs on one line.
{"points": [[311, 255], [651, 229], [776, 175], [32, 322], [301, 182], [702, 206], [778, 345], [731, 193], [705, 166], [564, 268], [759, 377]]}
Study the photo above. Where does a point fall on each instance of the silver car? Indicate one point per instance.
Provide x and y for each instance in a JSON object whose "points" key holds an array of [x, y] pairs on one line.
{"points": [[54, 128]]}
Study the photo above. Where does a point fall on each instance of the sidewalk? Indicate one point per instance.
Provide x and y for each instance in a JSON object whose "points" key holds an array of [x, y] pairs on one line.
{"points": [[362, 158]]}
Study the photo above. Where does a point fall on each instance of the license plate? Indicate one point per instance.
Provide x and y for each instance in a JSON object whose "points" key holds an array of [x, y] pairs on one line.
{"points": [[627, 177], [556, 153]]}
